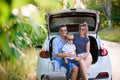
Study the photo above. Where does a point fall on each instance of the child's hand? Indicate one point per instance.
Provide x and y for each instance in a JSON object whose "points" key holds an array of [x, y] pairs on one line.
{"points": [[76, 58], [66, 61]]}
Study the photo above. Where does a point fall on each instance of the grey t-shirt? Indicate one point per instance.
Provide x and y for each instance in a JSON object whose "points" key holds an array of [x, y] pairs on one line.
{"points": [[80, 43]]}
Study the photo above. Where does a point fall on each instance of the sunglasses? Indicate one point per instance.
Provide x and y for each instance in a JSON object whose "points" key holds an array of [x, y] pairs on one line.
{"points": [[70, 39], [63, 30], [81, 29]]}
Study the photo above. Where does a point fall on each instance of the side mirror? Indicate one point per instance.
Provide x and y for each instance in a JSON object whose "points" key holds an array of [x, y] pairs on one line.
{"points": [[38, 46]]}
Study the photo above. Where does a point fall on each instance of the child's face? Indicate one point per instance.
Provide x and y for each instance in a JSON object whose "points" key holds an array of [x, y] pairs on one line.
{"points": [[70, 40]]}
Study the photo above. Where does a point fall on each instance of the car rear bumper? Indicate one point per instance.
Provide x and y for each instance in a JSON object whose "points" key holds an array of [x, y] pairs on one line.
{"points": [[102, 69], [97, 71]]}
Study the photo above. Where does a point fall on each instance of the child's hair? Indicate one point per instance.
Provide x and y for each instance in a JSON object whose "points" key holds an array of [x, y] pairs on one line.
{"points": [[69, 35]]}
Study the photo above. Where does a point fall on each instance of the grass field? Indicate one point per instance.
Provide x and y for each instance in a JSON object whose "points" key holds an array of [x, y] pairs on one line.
{"points": [[110, 34], [21, 68]]}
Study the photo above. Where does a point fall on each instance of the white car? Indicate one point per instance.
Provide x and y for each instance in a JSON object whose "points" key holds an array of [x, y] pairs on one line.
{"points": [[100, 68]]}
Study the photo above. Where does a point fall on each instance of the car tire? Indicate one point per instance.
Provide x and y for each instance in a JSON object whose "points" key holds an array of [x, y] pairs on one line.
{"points": [[42, 76]]}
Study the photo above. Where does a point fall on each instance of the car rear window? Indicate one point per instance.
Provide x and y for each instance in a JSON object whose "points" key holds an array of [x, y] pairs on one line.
{"points": [[72, 21]]}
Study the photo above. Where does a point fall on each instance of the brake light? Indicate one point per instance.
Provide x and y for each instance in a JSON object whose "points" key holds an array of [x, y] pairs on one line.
{"points": [[104, 52], [43, 53], [102, 75]]}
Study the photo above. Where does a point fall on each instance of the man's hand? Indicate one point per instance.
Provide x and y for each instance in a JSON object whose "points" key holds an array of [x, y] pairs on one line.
{"points": [[70, 55]]}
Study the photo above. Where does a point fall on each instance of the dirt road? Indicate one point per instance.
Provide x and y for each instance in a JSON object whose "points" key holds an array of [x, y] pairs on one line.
{"points": [[114, 52]]}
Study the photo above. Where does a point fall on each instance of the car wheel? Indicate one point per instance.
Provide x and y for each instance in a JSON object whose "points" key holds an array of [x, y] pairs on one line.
{"points": [[42, 76]]}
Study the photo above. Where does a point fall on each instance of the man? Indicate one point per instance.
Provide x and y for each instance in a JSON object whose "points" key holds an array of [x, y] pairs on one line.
{"points": [[57, 53]]}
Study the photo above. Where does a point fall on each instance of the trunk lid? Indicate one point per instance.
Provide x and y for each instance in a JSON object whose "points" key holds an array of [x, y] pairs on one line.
{"points": [[72, 18]]}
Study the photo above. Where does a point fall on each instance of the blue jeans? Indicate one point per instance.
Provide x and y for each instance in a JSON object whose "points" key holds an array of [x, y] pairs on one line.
{"points": [[60, 62], [71, 64]]}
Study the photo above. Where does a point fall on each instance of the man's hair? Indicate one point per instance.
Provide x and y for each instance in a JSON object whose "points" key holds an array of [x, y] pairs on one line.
{"points": [[62, 26]]}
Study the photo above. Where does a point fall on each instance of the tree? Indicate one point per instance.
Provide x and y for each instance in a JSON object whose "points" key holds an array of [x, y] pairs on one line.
{"points": [[79, 4], [16, 31], [92, 4], [106, 8], [115, 13]]}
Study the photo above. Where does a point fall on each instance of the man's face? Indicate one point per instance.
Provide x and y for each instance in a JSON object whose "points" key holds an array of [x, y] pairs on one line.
{"points": [[63, 31]]}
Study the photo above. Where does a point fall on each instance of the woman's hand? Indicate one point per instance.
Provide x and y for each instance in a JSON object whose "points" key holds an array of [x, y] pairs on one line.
{"points": [[85, 55]]}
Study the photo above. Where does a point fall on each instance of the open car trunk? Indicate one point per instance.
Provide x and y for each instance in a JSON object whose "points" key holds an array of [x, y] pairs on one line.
{"points": [[72, 18], [93, 49]]}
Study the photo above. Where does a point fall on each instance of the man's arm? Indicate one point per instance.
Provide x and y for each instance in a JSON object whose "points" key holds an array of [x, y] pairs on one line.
{"points": [[56, 50], [62, 55]]}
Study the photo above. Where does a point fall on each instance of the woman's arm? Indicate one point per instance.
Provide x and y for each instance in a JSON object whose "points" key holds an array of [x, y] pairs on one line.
{"points": [[87, 50], [88, 47]]}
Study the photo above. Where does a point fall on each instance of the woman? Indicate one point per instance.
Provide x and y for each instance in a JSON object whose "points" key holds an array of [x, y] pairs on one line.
{"points": [[82, 44]]}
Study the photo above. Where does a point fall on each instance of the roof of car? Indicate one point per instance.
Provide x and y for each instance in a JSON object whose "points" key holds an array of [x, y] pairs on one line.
{"points": [[74, 10]]}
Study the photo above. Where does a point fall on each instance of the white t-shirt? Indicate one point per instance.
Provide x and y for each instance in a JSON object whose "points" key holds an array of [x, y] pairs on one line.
{"points": [[67, 48]]}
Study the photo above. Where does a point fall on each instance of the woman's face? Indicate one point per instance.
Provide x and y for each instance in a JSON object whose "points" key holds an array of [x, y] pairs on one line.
{"points": [[82, 30]]}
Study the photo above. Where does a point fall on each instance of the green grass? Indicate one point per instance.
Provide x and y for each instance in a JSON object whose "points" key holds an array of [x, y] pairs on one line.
{"points": [[21, 67], [110, 34]]}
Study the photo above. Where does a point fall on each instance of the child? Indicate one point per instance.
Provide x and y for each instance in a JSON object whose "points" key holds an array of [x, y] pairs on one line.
{"points": [[69, 47]]}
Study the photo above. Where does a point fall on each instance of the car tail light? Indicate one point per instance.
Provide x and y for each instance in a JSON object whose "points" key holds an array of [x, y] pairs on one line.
{"points": [[102, 75], [44, 53], [104, 52]]}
